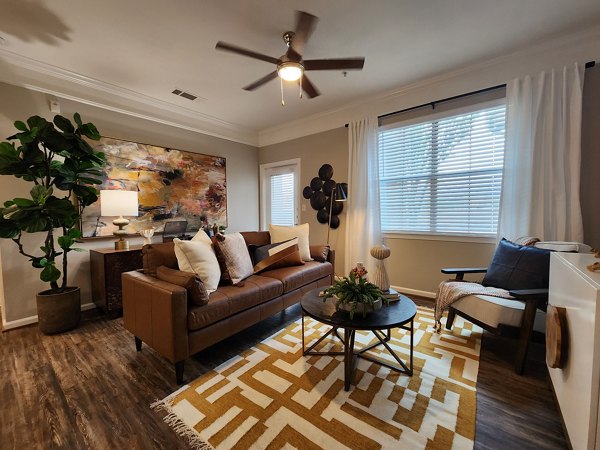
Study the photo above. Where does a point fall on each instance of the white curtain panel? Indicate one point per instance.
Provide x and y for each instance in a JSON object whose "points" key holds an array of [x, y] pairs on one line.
{"points": [[540, 187], [363, 228]]}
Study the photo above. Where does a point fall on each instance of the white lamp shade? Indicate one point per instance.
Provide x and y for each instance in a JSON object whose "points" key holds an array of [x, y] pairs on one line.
{"points": [[118, 203]]}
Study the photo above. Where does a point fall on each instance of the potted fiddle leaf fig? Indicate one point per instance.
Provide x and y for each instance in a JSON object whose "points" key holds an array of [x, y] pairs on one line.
{"points": [[62, 169]]}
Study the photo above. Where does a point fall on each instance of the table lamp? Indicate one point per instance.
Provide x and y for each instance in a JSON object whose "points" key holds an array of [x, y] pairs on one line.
{"points": [[119, 203]]}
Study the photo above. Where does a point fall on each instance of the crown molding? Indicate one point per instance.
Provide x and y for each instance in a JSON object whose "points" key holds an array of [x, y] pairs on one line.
{"points": [[583, 42], [203, 123]]}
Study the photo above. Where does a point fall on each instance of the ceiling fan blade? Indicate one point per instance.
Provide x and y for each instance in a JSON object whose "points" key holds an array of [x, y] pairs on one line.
{"points": [[259, 83], [244, 52], [334, 64], [305, 24], [309, 88]]}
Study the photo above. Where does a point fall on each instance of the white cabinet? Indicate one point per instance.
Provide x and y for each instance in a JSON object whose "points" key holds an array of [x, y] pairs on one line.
{"points": [[577, 384]]}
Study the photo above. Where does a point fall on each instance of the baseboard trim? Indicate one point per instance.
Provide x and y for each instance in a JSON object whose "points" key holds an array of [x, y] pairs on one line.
{"points": [[11, 325], [410, 291]]}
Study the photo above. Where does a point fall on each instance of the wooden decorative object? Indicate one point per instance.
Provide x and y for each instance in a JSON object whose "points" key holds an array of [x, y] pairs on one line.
{"points": [[556, 337]]}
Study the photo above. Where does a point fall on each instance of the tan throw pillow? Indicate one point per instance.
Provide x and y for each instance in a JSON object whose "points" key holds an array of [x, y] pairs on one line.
{"points": [[279, 256], [319, 252], [199, 257], [280, 233], [233, 257], [197, 293]]}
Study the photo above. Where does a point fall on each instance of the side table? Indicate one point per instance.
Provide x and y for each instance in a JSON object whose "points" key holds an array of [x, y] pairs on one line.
{"points": [[106, 267]]}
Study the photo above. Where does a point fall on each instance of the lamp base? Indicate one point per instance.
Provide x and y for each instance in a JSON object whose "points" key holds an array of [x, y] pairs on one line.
{"points": [[121, 245]]}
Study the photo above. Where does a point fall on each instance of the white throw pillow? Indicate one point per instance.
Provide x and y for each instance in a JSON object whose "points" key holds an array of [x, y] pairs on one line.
{"points": [[201, 236], [199, 257], [280, 233]]}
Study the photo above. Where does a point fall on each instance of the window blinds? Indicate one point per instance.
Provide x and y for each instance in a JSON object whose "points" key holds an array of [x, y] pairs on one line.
{"points": [[282, 199], [443, 175]]}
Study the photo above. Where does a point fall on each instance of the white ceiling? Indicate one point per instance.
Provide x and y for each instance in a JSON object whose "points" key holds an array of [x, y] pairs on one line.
{"points": [[152, 46]]}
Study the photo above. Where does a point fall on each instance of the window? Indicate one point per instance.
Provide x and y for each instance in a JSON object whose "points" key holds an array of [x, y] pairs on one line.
{"points": [[280, 193], [442, 173]]}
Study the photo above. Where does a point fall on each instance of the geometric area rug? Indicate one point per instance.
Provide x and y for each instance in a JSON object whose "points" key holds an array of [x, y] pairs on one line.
{"points": [[273, 397]]}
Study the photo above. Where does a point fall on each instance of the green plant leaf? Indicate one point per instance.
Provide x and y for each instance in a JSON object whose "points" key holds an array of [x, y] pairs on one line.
{"points": [[77, 119], [64, 124], [20, 126], [90, 131], [8, 229], [50, 273], [65, 242], [24, 202]]}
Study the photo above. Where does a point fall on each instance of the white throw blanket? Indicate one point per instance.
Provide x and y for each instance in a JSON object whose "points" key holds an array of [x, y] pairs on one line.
{"points": [[451, 291]]}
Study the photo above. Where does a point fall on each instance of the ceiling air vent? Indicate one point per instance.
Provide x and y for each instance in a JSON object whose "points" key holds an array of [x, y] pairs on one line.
{"points": [[184, 94]]}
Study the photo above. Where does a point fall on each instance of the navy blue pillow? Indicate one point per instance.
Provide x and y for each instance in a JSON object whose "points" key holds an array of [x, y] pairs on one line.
{"points": [[518, 267]]}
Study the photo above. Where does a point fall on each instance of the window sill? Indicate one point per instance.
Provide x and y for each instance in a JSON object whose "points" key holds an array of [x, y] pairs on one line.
{"points": [[441, 237]]}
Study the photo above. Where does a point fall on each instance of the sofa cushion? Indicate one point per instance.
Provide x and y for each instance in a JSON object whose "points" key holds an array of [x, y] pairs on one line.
{"points": [[199, 257], [156, 255], [281, 233], [319, 252], [234, 259], [197, 293], [278, 256], [518, 267], [229, 300], [298, 276], [256, 237]]}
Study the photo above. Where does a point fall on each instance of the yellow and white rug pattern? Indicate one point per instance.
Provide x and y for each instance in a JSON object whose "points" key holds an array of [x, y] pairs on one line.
{"points": [[272, 396]]}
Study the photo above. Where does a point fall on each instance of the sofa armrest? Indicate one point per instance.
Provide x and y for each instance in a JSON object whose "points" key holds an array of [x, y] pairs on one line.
{"points": [[155, 311], [331, 259], [459, 272]]}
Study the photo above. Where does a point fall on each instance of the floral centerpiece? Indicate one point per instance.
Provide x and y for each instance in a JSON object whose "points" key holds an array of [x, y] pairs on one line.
{"points": [[355, 294]]}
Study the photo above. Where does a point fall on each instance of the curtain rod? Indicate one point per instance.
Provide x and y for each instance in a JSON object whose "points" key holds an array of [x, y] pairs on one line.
{"points": [[588, 65]]}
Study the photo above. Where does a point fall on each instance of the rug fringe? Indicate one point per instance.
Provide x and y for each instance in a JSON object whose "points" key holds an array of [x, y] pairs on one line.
{"points": [[179, 426]]}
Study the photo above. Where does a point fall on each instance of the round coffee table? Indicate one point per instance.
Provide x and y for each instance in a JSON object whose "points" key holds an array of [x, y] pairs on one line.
{"points": [[398, 314]]}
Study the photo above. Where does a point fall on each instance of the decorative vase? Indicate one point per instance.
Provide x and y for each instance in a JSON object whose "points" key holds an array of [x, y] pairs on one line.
{"points": [[379, 276], [58, 312], [147, 235]]}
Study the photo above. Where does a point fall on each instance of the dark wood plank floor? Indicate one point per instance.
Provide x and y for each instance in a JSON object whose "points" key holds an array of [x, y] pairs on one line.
{"points": [[90, 389]]}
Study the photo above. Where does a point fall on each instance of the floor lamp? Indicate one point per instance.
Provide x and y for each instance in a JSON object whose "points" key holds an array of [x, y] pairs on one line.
{"points": [[338, 195]]}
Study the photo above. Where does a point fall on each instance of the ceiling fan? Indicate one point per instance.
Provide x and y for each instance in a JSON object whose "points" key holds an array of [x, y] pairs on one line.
{"points": [[291, 66]]}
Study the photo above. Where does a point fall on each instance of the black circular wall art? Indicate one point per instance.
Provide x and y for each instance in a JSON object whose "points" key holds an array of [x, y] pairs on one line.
{"points": [[319, 194], [326, 172], [318, 200], [316, 184], [328, 187], [322, 216]]}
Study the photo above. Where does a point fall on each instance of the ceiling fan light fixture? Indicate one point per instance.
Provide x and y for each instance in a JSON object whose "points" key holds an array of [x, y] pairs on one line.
{"points": [[290, 71]]}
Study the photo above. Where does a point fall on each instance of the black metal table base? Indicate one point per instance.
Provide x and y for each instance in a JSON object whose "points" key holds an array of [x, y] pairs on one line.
{"points": [[351, 355]]}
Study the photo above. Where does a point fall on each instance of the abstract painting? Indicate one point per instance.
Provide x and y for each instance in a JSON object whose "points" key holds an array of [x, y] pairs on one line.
{"points": [[172, 185]]}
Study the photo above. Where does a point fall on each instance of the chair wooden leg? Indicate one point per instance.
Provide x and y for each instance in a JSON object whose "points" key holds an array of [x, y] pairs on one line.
{"points": [[450, 319], [138, 344], [525, 336], [179, 372]]}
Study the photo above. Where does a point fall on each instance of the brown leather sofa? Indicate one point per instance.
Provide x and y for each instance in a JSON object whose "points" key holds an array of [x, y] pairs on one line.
{"points": [[159, 314]]}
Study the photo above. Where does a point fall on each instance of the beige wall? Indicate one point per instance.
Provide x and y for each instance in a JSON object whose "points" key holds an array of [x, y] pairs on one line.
{"points": [[329, 147], [590, 157], [20, 281]]}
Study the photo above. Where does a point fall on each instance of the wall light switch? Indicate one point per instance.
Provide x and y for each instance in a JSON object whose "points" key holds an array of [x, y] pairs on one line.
{"points": [[303, 207]]}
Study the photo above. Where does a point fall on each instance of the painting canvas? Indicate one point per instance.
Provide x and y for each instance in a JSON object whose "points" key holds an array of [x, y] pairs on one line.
{"points": [[172, 185]]}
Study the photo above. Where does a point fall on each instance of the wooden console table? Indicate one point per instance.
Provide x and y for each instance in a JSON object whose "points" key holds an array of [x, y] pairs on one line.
{"points": [[106, 267]]}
